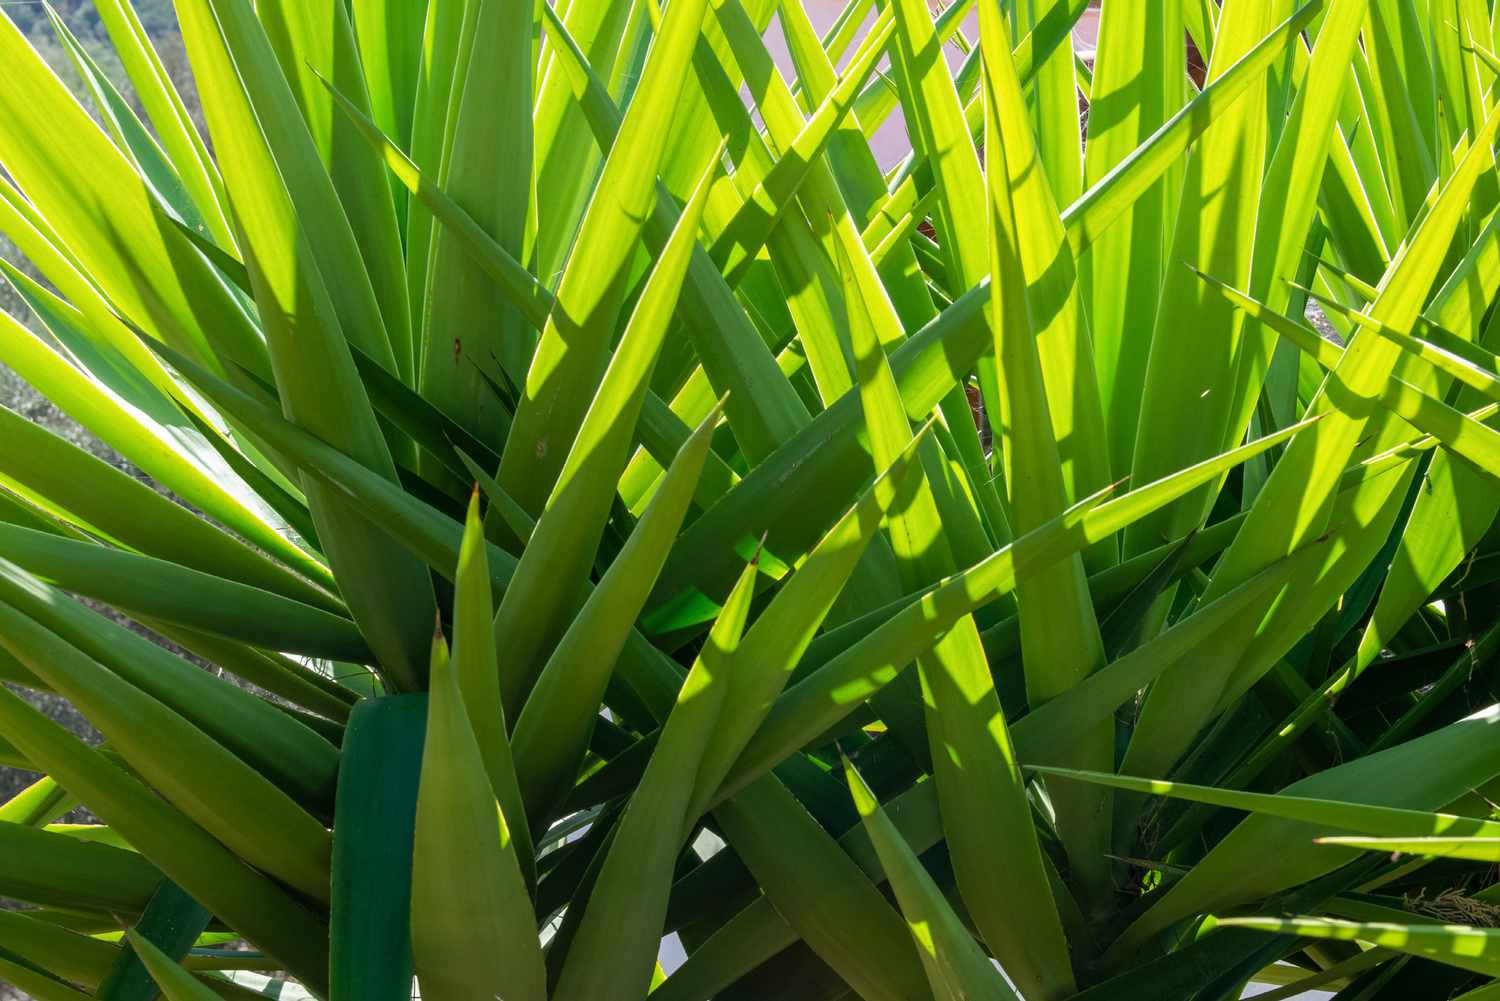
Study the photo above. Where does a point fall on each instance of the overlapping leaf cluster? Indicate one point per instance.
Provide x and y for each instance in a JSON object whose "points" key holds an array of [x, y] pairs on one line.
{"points": [[570, 475]]}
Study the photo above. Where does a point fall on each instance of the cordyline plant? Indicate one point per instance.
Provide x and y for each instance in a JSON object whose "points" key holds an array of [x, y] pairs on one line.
{"points": [[743, 638]]}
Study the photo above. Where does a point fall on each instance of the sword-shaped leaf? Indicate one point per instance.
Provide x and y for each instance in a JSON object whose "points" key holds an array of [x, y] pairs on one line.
{"points": [[313, 292], [176, 983], [472, 928], [158, 589], [816, 704], [1266, 854], [548, 587], [1473, 949], [205, 781], [1474, 849], [560, 714], [245, 899], [571, 357], [478, 669], [370, 914], [613, 952], [957, 968]]}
